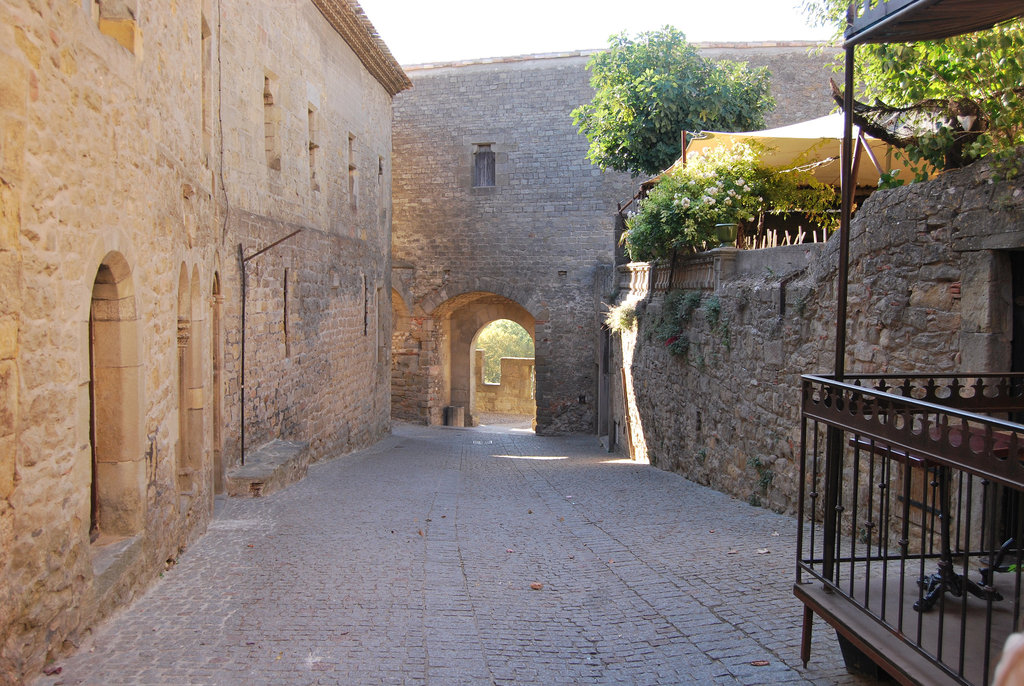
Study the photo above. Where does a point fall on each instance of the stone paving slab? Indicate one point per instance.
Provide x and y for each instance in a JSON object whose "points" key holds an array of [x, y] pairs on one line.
{"points": [[413, 563]]}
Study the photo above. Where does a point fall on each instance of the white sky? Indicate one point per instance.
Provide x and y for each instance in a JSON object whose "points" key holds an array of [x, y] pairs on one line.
{"points": [[419, 31]]}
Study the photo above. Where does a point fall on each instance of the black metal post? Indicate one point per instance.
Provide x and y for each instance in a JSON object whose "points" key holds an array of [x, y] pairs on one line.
{"points": [[834, 439]]}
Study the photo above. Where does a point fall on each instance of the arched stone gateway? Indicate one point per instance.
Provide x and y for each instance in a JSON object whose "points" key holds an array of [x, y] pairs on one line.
{"points": [[433, 366], [502, 371]]}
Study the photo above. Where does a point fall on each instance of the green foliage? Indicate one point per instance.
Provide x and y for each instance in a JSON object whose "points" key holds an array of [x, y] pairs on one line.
{"points": [[725, 185], [502, 338], [676, 313], [983, 70], [651, 88], [716, 322], [765, 476], [621, 317]]}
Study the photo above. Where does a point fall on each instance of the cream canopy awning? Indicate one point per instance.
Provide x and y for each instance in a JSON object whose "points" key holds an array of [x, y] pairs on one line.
{"points": [[813, 145]]}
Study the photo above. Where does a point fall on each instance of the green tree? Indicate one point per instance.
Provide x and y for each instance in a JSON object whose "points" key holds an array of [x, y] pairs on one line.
{"points": [[978, 75], [502, 338], [650, 88]]}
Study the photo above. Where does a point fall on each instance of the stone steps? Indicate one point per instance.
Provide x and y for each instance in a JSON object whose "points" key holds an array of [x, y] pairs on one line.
{"points": [[268, 468]]}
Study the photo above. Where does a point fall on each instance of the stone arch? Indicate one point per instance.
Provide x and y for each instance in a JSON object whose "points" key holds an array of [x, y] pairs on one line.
{"points": [[458, 321], [117, 474], [399, 313], [513, 395], [439, 301]]}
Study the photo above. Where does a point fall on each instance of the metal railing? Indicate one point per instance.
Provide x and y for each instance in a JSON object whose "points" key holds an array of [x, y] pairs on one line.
{"points": [[911, 541]]}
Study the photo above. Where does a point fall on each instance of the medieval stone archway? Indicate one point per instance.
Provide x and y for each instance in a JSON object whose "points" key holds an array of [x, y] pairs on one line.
{"points": [[117, 474], [190, 405], [216, 385], [454, 325], [509, 392]]}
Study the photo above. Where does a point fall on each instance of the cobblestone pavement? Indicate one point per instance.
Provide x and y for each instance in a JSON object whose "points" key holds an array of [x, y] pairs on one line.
{"points": [[473, 556]]}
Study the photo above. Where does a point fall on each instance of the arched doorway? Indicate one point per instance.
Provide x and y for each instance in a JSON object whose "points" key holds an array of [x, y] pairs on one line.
{"points": [[117, 474], [457, 323], [503, 373]]}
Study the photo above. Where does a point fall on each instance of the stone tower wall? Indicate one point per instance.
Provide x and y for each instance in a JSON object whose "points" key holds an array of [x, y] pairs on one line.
{"points": [[543, 236], [538, 237]]}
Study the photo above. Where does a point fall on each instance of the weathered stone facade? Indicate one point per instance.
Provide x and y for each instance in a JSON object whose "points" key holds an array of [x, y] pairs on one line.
{"points": [[930, 292], [135, 168], [538, 241], [528, 248]]}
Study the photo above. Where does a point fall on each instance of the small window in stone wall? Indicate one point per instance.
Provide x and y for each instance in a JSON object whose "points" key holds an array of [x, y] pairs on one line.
{"points": [[352, 189], [271, 122], [313, 146], [483, 165]]}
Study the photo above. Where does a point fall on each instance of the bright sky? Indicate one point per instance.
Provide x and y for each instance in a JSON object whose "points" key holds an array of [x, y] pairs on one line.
{"points": [[419, 31]]}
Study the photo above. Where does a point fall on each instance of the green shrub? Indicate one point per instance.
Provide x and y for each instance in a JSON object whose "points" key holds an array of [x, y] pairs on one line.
{"points": [[722, 186], [621, 317]]}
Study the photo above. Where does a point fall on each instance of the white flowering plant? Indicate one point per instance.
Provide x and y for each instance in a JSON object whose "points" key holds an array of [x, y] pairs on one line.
{"points": [[722, 186]]}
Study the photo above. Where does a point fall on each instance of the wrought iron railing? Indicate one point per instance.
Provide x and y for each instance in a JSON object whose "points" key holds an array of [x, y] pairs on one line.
{"points": [[912, 520]]}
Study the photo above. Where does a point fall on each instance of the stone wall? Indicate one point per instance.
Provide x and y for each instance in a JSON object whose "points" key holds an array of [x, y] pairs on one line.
{"points": [[800, 73], [119, 283], [540, 238], [318, 319], [513, 394], [929, 292], [534, 240]]}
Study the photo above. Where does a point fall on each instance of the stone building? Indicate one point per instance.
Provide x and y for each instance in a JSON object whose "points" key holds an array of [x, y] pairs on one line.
{"points": [[498, 214], [147, 150]]}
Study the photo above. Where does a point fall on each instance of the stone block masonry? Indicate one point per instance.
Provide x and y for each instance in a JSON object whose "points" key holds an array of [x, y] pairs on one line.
{"points": [[540, 238], [931, 270], [534, 239], [134, 170]]}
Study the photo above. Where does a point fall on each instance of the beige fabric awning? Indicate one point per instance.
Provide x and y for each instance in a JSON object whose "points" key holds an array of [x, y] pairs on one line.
{"points": [[814, 144]]}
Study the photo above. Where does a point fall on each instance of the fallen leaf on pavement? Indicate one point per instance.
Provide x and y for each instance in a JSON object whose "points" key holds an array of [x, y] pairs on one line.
{"points": [[420, 532], [760, 663], [536, 586]]}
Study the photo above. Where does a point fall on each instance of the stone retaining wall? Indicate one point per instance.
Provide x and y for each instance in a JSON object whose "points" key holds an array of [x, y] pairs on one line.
{"points": [[930, 275]]}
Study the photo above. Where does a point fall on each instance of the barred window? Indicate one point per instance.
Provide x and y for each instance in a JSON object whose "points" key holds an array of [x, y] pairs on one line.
{"points": [[483, 165]]}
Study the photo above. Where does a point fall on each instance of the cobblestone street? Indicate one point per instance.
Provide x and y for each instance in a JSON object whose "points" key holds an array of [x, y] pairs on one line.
{"points": [[473, 556]]}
